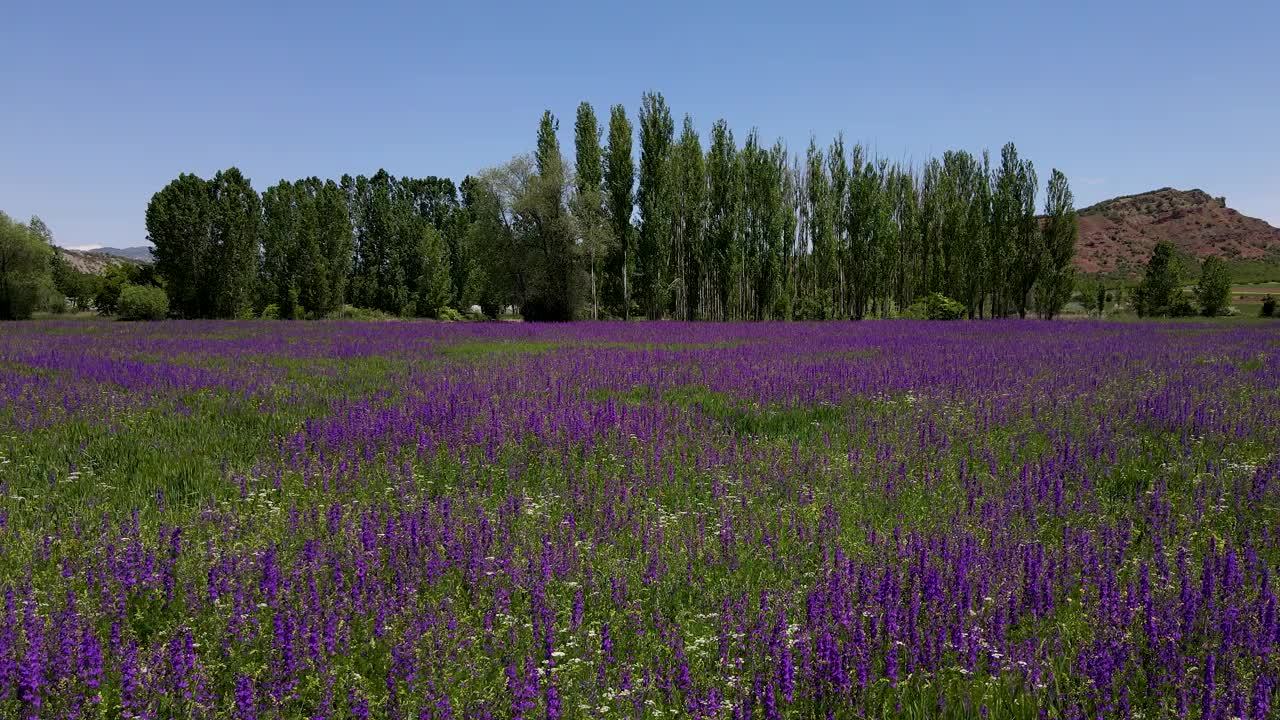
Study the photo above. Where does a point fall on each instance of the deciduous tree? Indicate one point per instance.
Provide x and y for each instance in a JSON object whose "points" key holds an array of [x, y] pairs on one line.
{"points": [[26, 276], [619, 181], [654, 199], [1213, 290]]}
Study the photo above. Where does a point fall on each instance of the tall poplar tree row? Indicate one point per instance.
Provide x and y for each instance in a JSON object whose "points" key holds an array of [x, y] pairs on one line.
{"points": [[671, 229]]}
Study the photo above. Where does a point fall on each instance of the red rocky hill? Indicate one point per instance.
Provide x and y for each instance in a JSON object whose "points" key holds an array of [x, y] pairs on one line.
{"points": [[1118, 235]]}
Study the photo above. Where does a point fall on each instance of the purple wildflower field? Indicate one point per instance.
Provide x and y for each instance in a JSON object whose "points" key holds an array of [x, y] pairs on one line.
{"points": [[660, 520]]}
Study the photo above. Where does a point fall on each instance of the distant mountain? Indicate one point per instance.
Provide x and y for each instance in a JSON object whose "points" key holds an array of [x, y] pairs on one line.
{"points": [[93, 262], [1118, 235], [141, 253]]}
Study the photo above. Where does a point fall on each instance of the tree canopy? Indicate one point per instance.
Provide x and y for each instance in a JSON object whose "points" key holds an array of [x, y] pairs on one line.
{"points": [[1161, 285], [1213, 290], [26, 267], [644, 220]]}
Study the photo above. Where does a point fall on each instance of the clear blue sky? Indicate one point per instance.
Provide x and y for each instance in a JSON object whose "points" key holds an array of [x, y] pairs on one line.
{"points": [[106, 102]]}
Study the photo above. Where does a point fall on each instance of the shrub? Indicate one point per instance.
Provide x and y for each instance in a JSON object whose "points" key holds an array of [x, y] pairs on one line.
{"points": [[448, 314], [142, 302], [350, 312], [915, 311], [1182, 307], [934, 306], [809, 308], [271, 312], [55, 303], [1268, 307]]}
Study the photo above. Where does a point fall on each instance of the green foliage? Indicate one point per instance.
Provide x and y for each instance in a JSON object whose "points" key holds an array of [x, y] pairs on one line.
{"points": [[79, 288], [111, 284], [724, 190], [588, 201], [143, 302], [825, 203], [493, 279], [1161, 286], [1098, 299], [206, 237], [432, 282], [350, 312], [731, 233], [762, 238], [306, 247], [1015, 231], [551, 270], [403, 231], [1060, 231], [525, 235], [654, 200], [271, 312], [178, 225], [448, 314], [235, 228], [26, 270], [810, 307], [1182, 307], [1253, 271], [1213, 290], [619, 194], [689, 253], [934, 306]]}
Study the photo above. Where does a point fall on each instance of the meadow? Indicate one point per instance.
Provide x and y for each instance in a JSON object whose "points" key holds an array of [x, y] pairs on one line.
{"points": [[602, 520]]}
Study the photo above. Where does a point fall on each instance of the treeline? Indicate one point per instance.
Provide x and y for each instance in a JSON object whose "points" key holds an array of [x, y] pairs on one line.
{"points": [[35, 277], [734, 230], [26, 268]]}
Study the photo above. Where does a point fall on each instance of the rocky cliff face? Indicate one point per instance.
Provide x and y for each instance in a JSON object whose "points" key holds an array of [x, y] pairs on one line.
{"points": [[1118, 235], [92, 262]]}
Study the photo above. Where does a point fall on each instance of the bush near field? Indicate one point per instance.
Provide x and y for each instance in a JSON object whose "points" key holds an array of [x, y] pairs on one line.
{"points": [[142, 302]]}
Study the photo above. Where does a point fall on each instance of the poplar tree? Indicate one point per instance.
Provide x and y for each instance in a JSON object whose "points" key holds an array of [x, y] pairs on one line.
{"points": [[734, 233], [1029, 241], [823, 219], [1060, 230], [235, 230], [619, 181], [654, 199], [335, 247], [588, 207], [722, 215], [689, 229], [178, 222], [283, 225], [1005, 214], [553, 287], [838, 169]]}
